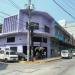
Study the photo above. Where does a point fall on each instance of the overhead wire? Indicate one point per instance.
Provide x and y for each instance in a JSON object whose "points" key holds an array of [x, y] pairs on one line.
{"points": [[64, 9], [67, 13], [68, 4], [4, 13], [18, 8], [14, 4]]}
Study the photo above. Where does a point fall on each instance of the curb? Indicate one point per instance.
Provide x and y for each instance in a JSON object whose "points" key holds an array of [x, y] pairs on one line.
{"points": [[41, 61]]}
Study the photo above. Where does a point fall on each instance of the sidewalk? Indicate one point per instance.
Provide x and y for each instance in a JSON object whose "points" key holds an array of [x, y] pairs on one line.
{"points": [[41, 61]]}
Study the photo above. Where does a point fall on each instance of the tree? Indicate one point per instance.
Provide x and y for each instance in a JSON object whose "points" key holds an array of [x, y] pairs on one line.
{"points": [[39, 52]]}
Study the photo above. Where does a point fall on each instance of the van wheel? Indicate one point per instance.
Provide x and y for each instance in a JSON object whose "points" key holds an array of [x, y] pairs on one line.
{"points": [[5, 60]]}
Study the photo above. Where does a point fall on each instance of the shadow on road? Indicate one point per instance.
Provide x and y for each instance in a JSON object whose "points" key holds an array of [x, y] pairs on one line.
{"points": [[3, 66]]}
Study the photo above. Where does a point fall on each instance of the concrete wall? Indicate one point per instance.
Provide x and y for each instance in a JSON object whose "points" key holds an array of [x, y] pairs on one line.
{"points": [[23, 18], [10, 24]]}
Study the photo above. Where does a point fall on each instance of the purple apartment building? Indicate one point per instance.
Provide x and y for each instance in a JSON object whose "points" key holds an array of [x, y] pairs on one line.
{"points": [[48, 33]]}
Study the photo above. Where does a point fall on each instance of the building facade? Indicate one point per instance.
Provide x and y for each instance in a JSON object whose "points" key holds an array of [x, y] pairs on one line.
{"points": [[0, 28], [48, 33]]}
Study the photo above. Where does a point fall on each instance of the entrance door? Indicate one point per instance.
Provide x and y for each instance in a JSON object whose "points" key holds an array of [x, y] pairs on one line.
{"points": [[25, 50]]}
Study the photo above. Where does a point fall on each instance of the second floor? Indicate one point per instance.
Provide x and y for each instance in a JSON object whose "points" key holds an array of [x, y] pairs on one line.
{"points": [[63, 35], [41, 21]]}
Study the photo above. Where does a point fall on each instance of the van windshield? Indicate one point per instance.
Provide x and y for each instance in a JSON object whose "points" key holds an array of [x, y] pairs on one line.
{"points": [[65, 51], [12, 53]]}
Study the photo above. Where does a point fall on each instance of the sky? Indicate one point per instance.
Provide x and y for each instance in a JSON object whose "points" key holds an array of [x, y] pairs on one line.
{"points": [[43, 5]]}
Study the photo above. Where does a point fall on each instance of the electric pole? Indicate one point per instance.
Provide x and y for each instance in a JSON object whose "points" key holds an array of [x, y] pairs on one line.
{"points": [[29, 8]]}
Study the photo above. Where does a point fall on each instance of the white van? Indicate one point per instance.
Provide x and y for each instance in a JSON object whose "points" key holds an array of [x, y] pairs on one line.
{"points": [[8, 55], [66, 54], [73, 52]]}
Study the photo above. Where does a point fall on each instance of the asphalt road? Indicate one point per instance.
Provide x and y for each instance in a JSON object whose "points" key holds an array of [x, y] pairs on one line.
{"points": [[59, 67]]}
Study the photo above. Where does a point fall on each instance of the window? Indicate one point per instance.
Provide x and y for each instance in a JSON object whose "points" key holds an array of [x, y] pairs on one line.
{"points": [[12, 53], [45, 40], [0, 48], [6, 48], [39, 39], [26, 25], [1, 52], [33, 24], [11, 39], [13, 49], [47, 29], [7, 53]]}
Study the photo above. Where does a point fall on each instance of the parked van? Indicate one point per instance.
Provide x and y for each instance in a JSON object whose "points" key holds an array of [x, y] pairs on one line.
{"points": [[66, 53], [8, 55], [73, 52]]}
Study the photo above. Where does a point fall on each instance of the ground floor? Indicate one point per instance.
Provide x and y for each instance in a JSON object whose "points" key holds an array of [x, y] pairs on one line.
{"points": [[47, 52], [18, 43], [23, 49]]}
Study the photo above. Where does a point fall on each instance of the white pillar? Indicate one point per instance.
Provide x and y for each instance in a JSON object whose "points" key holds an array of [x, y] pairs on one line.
{"points": [[48, 48], [28, 45], [20, 49]]}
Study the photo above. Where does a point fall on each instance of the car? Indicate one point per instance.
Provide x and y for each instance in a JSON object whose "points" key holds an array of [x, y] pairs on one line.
{"points": [[73, 52], [22, 56], [66, 53]]}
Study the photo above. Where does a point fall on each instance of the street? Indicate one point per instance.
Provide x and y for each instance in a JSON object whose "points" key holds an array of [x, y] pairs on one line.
{"points": [[58, 67]]}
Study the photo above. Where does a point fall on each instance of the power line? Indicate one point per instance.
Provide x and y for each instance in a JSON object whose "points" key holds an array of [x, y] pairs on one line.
{"points": [[4, 13], [14, 4], [64, 9], [68, 4]]}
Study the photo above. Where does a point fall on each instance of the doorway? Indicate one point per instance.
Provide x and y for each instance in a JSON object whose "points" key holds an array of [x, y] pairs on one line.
{"points": [[25, 50]]}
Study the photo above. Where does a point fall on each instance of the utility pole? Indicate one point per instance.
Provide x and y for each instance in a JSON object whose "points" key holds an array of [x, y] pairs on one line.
{"points": [[29, 8], [72, 39]]}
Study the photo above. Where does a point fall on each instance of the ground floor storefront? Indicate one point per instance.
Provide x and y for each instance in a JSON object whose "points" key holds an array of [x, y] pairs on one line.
{"points": [[23, 49], [58, 45], [52, 46]]}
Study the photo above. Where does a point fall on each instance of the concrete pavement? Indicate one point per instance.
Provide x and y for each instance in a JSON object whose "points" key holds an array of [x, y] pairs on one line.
{"points": [[59, 67]]}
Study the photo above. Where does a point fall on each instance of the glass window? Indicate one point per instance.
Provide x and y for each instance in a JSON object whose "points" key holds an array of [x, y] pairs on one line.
{"points": [[12, 53], [0, 48], [1, 52], [6, 48], [39, 39], [10, 39], [13, 49], [33, 24], [47, 29], [7, 53], [45, 40], [26, 25]]}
